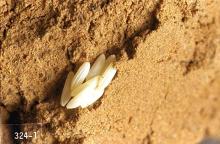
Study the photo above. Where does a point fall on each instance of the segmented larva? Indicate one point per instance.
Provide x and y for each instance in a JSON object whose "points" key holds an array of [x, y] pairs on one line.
{"points": [[88, 85]]}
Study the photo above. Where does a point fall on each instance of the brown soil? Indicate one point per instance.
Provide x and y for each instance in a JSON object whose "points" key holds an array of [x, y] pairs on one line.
{"points": [[167, 89]]}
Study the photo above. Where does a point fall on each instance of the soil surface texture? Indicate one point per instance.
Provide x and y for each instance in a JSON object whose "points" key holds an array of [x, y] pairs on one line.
{"points": [[167, 87]]}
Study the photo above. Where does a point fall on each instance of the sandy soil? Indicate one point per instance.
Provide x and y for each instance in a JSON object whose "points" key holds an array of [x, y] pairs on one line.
{"points": [[167, 89]]}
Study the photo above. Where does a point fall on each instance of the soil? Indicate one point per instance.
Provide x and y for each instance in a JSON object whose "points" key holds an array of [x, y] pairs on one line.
{"points": [[167, 88]]}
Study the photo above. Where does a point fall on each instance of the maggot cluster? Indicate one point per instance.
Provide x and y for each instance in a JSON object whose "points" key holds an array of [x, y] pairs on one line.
{"points": [[87, 85]]}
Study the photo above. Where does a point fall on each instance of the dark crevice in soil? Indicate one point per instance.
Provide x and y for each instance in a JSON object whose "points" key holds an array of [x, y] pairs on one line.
{"points": [[145, 29], [73, 115], [69, 56], [72, 48], [14, 123], [7, 27], [189, 66], [105, 3], [65, 23], [4, 33], [114, 50], [91, 29], [1, 104], [16, 117], [47, 22], [199, 59], [13, 18], [147, 139], [12, 5], [22, 105], [79, 140], [54, 88], [30, 115]]}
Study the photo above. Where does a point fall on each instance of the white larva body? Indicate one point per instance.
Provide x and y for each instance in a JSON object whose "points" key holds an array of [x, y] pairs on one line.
{"points": [[65, 97], [95, 95], [97, 67], [77, 93], [81, 92], [80, 75]]}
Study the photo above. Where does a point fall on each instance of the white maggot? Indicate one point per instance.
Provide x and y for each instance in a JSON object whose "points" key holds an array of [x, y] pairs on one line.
{"points": [[73, 81], [88, 85]]}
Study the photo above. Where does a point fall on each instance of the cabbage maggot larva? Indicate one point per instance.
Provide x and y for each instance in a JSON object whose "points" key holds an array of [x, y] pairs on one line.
{"points": [[88, 84]]}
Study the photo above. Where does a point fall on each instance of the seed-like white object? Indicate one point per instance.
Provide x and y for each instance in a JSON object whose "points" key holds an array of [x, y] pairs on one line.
{"points": [[81, 92], [65, 97], [97, 67], [107, 76], [94, 96], [97, 79], [80, 75], [73, 81]]}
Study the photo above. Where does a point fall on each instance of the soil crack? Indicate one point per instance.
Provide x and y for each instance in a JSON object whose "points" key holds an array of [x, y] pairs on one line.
{"points": [[130, 43]]}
